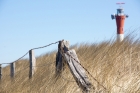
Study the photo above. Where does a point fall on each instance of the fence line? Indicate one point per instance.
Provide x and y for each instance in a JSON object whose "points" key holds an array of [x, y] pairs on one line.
{"points": [[28, 52], [31, 58]]}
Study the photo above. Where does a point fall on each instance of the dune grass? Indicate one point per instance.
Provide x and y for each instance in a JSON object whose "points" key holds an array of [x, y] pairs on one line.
{"points": [[116, 66]]}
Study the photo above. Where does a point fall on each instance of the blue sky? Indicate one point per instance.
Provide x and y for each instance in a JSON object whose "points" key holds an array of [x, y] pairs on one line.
{"points": [[26, 24]]}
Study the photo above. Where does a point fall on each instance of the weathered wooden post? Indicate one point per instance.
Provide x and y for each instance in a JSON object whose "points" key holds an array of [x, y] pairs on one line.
{"points": [[32, 61], [64, 46], [77, 71], [75, 67], [0, 72], [59, 58], [12, 69]]}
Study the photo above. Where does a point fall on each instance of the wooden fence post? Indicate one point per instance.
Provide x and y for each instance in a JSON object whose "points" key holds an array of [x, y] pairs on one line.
{"points": [[0, 72], [12, 69], [63, 45], [77, 70], [32, 61], [75, 67]]}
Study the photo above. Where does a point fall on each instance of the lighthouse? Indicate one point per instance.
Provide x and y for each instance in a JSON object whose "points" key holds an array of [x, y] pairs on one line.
{"points": [[120, 18]]}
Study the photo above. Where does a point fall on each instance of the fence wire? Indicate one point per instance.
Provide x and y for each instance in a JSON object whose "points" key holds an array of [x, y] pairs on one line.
{"points": [[44, 46], [17, 59], [24, 56], [31, 49], [21, 57], [87, 72]]}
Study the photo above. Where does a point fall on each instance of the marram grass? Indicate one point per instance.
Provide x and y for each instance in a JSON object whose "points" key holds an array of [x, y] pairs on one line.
{"points": [[116, 66]]}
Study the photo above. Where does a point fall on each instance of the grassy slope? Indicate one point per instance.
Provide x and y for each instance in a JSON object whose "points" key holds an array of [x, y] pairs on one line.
{"points": [[115, 65]]}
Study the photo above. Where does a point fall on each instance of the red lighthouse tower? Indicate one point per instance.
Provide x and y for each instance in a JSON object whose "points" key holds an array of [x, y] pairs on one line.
{"points": [[120, 18]]}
